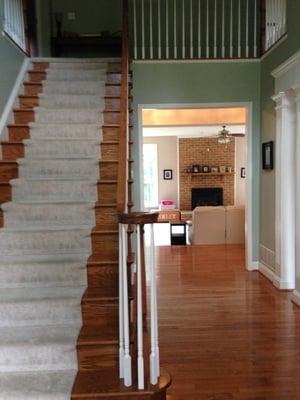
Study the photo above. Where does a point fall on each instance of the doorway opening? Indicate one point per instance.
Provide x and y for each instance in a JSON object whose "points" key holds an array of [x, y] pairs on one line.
{"points": [[192, 157]]}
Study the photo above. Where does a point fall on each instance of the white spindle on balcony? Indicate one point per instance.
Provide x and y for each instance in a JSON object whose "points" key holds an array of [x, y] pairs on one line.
{"points": [[275, 21], [14, 22], [165, 29]]}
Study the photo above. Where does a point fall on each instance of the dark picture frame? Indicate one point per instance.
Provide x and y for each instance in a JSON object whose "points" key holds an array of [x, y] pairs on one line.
{"points": [[168, 174], [268, 155], [243, 172]]}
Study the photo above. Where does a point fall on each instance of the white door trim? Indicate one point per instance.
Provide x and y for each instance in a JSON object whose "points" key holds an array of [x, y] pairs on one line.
{"points": [[251, 264]]}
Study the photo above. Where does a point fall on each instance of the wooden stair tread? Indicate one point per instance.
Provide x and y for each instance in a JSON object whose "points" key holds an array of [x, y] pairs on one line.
{"points": [[105, 383]]}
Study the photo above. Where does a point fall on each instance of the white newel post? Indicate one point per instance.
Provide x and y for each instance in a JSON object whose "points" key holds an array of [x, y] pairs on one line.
{"points": [[296, 293], [285, 191]]}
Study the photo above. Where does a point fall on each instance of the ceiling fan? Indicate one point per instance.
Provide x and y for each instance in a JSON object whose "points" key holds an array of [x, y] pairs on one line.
{"points": [[224, 136]]}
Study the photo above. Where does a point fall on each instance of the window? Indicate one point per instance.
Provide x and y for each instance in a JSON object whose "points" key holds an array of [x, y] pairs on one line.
{"points": [[14, 22], [275, 21], [150, 175]]}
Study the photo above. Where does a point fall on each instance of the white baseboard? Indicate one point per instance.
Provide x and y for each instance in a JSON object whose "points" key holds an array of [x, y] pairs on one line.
{"points": [[277, 282], [296, 297], [4, 118], [253, 266]]}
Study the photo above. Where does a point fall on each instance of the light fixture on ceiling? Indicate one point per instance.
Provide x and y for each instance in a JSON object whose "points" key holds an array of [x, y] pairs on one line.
{"points": [[224, 136]]}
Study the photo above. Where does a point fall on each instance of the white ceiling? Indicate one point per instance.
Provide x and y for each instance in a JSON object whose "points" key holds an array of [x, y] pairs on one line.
{"points": [[191, 131]]}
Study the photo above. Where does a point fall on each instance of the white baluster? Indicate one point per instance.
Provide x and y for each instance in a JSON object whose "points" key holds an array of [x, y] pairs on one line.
{"points": [[121, 298], [223, 28], [159, 29], [127, 357], [167, 29], [231, 30], [183, 29], [134, 30], [255, 30], [151, 29], [140, 355], [143, 30], [175, 30], [239, 31], [191, 30], [207, 30], [199, 28], [247, 28], [154, 355], [215, 30]]}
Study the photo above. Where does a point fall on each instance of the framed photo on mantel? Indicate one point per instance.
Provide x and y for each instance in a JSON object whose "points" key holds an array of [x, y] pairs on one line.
{"points": [[267, 155]]}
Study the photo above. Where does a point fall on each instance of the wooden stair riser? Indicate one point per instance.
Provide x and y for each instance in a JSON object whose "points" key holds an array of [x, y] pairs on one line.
{"points": [[28, 102], [12, 151], [40, 66], [23, 116], [18, 133], [32, 88], [91, 357], [105, 245], [100, 275], [109, 151], [110, 133], [107, 193], [108, 170], [106, 216], [8, 171], [97, 313], [111, 117], [5, 192]]}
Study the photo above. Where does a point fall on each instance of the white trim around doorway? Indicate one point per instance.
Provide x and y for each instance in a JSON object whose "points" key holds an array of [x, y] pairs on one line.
{"points": [[251, 264]]}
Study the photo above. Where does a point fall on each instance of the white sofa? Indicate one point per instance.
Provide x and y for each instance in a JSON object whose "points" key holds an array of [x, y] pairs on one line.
{"points": [[217, 225]]}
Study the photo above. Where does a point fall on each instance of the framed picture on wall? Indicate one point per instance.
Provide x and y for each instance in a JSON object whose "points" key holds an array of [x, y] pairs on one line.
{"points": [[267, 155], [243, 172], [168, 174]]}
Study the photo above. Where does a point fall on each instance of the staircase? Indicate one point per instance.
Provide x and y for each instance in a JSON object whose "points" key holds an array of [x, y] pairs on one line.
{"points": [[59, 241]]}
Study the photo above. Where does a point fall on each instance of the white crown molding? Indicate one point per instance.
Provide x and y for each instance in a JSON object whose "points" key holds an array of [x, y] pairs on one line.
{"points": [[201, 61], [286, 66]]}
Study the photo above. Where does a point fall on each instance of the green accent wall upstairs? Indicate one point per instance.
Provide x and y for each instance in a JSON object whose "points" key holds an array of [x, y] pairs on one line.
{"points": [[10, 63], [197, 83], [276, 57]]}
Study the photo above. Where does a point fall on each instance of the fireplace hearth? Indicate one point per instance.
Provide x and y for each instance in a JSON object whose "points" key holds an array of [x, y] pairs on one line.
{"points": [[202, 197]]}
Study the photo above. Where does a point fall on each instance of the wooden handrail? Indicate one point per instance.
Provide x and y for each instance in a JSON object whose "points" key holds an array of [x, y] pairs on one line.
{"points": [[122, 189]]}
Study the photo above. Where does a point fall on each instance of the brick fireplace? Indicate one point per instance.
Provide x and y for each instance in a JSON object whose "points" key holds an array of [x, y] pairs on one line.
{"points": [[205, 151]]}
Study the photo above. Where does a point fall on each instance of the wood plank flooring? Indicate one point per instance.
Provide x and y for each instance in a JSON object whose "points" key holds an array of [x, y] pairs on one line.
{"points": [[225, 333]]}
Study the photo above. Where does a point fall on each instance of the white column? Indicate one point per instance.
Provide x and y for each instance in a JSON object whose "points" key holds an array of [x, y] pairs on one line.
{"points": [[284, 277], [296, 293]]}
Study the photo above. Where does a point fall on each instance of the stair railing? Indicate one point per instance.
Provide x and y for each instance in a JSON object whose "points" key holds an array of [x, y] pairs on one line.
{"points": [[133, 343]]}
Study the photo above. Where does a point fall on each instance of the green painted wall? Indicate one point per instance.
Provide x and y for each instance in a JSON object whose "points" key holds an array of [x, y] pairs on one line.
{"points": [[275, 58], [92, 16], [183, 83], [10, 62]]}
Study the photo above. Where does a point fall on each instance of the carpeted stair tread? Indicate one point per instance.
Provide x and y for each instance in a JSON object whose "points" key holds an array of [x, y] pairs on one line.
{"points": [[38, 348], [46, 385], [44, 273]]}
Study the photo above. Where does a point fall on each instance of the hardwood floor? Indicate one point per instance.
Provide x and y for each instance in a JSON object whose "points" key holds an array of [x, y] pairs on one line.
{"points": [[225, 333]]}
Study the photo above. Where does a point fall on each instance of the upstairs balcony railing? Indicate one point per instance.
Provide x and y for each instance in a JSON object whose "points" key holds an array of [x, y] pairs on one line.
{"points": [[205, 29]]}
